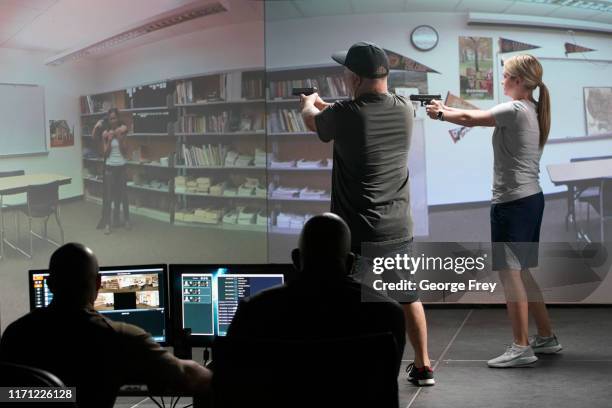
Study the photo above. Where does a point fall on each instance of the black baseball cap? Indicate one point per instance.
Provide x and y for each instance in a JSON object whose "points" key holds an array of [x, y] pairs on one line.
{"points": [[365, 59]]}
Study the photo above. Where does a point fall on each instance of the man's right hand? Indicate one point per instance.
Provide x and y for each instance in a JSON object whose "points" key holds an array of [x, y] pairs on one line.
{"points": [[320, 104]]}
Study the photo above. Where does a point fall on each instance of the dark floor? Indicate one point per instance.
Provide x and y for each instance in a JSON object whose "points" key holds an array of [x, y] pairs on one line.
{"points": [[462, 340]]}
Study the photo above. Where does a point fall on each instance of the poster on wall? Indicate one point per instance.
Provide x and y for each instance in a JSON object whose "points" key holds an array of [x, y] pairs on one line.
{"points": [[598, 110], [476, 67], [61, 134]]}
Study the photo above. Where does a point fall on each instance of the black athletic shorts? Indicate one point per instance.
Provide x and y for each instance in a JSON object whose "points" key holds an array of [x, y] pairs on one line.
{"points": [[515, 232]]}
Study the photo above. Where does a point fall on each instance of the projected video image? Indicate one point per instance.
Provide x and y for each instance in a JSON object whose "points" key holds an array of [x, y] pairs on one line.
{"points": [[128, 292]]}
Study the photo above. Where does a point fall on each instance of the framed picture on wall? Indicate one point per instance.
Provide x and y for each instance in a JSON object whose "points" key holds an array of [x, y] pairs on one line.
{"points": [[476, 67], [598, 110], [61, 134]]}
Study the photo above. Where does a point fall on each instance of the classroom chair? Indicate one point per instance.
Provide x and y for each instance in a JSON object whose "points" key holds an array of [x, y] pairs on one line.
{"points": [[42, 202]]}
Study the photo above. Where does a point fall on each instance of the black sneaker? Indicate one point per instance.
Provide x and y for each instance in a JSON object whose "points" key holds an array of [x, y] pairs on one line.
{"points": [[420, 376]]}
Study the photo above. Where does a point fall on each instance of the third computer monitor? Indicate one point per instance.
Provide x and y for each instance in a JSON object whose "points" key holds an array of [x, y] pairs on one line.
{"points": [[206, 296]]}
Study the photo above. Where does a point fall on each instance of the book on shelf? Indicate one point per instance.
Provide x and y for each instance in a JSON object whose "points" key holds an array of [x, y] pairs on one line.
{"points": [[304, 193], [286, 121], [260, 158], [204, 156], [331, 86], [227, 87], [184, 92], [291, 220], [283, 192], [253, 88], [221, 122]]}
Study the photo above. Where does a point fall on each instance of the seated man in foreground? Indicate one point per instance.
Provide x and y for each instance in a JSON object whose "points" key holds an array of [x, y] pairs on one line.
{"points": [[88, 351], [323, 301]]}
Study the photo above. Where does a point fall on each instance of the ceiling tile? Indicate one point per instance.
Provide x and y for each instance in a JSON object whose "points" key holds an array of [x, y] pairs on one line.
{"points": [[281, 10], [573, 13], [378, 6], [428, 5], [16, 13], [315, 8], [531, 9], [483, 6]]}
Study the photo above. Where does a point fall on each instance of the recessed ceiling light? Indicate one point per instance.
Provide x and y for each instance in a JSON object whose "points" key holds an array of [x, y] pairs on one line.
{"points": [[595, 5]]}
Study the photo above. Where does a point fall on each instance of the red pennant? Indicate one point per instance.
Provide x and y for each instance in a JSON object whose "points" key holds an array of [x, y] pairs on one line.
{"points": [[458, 133], [397, 61], [456, 102], [569, 48], [506, 45]]}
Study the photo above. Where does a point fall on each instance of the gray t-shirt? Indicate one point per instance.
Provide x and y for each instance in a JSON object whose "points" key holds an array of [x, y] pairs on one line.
{"points": [[370, 186], [516, 151]]}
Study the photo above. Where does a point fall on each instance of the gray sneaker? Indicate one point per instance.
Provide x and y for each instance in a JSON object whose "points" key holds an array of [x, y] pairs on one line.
{"points": [[515, 356], [545, 345]]}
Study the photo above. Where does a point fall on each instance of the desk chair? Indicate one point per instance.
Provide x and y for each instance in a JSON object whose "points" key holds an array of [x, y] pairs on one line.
{"points": [[12, 173], [347, 372], [598, 196], [15, 375], [42, 202]]}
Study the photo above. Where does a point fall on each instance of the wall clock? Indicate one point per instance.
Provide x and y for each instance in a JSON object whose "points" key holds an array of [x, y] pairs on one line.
{"points": [[424, 38]]}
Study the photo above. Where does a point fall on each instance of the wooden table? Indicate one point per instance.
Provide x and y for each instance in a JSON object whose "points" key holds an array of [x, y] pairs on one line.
{"points": [[19, 185], [577, 174]]}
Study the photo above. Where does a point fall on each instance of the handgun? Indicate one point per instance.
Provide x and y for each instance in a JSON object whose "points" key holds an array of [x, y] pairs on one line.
{"points": [[304, 91], [424, 99]]}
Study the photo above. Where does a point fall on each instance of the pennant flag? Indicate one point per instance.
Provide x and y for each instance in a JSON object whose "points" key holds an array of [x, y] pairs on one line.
{"points": [[456, 102], [569, 48], [506, 45], [458, 133], [397, 61]]}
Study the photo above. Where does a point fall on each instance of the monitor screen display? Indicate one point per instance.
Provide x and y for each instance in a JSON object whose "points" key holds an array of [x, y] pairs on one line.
{"points": [[232, 288], [208, 295], [135, 295]]}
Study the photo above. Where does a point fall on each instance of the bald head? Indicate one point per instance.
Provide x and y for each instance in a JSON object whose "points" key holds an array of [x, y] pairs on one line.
{"points": [[73, 275], [325, 244]]}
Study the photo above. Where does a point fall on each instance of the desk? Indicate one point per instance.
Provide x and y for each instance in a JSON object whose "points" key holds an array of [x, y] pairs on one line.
{"points": [[19, 185], [575, 175]]}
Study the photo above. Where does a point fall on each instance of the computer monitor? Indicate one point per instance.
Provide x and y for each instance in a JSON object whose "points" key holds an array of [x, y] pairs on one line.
{"points": [[129, 294], [205, 297]]}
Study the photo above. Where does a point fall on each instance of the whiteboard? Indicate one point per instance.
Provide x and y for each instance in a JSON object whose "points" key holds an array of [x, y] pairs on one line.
{"points": [[566, 80], [22, 115]]}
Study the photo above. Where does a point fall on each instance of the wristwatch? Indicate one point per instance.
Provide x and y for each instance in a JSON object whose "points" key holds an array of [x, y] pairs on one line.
{"points": [[440, 116]]}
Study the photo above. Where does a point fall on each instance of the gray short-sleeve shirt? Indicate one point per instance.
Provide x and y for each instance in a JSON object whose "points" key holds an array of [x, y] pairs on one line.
{"points": [[516, 151], [370, 180]]}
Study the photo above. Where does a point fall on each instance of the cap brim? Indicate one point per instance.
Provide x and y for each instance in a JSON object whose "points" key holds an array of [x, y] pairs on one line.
{"points": [[340, 57]]}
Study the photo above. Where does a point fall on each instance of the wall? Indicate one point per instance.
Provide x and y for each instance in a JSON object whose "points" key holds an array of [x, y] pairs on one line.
{"points": [[459, 172], [63, 85]]}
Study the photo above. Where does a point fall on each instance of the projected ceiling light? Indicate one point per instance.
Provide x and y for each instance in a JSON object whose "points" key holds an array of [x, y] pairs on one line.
{"points": [[595, 5], [537, 22], [156, 23]]}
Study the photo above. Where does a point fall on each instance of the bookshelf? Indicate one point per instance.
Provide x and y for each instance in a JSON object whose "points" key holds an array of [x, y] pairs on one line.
{"points": [[299, 168], [227, 151], [197, 149]]}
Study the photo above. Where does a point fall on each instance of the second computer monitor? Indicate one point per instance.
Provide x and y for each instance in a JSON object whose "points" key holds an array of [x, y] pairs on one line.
{"points": [[207, 296]]}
